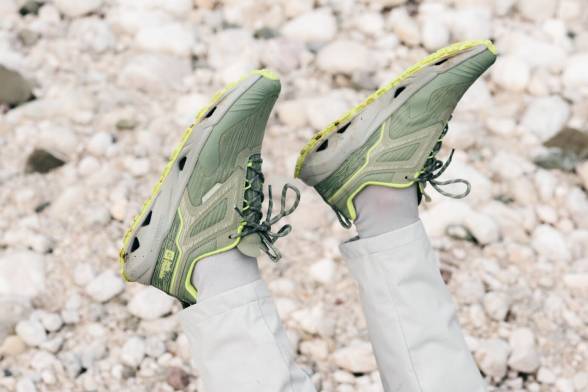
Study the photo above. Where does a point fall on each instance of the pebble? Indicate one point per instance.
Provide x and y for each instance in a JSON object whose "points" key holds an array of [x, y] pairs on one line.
{"points": [[13, 345], [150, 303], [483, 228], [496, 305], [73, 8], [524, 356], [177, 378], [537, 10], [316, 349], [31, 332], [133, 352], [435, 34], [173, 38], [315, 27], [549, 243], [15, 88], [546, 376], [323, 271], [22, 273], [404, 27], [356, 358], [574, 75], [545, 116], [511, 73], [492, 356], [105, 286], [155, 73], [335, 58], [25, 385]]}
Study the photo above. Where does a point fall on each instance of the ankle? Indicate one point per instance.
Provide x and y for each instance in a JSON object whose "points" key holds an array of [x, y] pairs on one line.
{"points": [[381, 209], [223, 272]]}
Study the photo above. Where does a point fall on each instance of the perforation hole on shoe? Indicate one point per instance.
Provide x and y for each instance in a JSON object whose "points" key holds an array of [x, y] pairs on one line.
{"points": [[182, 163], [147, 219], [135, 244], [399, 90], [323, 146], [210, 112], [441, 61], [343, 128]]}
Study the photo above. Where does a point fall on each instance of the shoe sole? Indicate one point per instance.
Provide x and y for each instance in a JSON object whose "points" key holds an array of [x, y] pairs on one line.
{"points": [[321, 136]]}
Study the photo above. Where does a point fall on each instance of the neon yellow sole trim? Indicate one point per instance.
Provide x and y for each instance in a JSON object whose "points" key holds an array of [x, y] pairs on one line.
{"points": [[174, 156], [431, 59]]}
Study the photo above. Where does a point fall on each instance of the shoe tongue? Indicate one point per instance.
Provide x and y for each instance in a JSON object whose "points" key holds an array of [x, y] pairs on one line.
{"points": [[250, 245], [256, 186]]}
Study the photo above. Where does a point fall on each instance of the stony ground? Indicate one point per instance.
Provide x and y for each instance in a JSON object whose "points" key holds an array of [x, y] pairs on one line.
{"points": [[94, 94]]}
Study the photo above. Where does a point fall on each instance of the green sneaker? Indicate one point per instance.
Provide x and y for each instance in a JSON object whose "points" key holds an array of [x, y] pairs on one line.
{"points": [[208, 199], [391, 139]]}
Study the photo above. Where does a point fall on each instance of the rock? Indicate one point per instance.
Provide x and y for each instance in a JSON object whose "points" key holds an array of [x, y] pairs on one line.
{"points": [[22, 274], [52, 322], [435, 34], [545, 376], [581, 381], [371, 23], [83, 274], [578, 281], [444, 214], [511, 73], [316, 349], [93, 35], [471, 23], [491, 356], [177, 378], [335, 58], [25, 385], [322, 110], [42, 161], [154, 347], [469, 288], [173, 38], [315, 27], [404, 27], [323, 271], [133, 352], [546, 116], [12, 346], [188, 106], [233, 53], [292, 113], [61, 140], [549, 243], [31, 332], [524, 357], [74, 9], [314, 321], [283, 55], [582, 170], [105, 286], [574, 75], [564, 385], [15, 88], [150, 303], [356, 358], [537, 10], [155, 73], [496, 305], [483, 228], [100, 143]]}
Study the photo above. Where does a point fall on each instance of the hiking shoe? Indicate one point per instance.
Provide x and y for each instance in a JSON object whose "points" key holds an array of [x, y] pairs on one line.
{"points": [[208, 199], [391, 139]]}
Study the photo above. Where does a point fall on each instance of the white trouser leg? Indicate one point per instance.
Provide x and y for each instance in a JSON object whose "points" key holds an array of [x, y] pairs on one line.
{"points": [[411, 317], [238, 343]]}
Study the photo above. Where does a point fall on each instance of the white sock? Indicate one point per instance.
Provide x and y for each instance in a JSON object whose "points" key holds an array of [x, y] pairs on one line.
{"points": [[219, 273], [380, 210]]}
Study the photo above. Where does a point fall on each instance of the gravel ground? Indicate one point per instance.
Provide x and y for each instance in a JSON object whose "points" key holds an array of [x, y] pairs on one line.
{"points": [[94, 95]]}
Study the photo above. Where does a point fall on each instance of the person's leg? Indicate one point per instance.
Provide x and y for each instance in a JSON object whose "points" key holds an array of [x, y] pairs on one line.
{"points": [[411, 317], [236, 336]]}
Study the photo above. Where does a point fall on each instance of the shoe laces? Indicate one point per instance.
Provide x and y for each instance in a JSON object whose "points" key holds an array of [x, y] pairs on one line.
{"points": [[251, 212], [434, 168]]}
